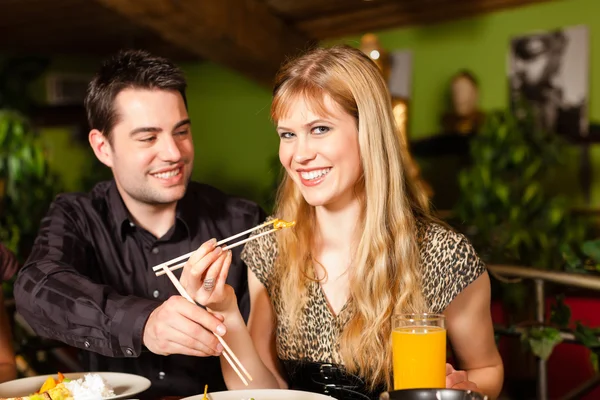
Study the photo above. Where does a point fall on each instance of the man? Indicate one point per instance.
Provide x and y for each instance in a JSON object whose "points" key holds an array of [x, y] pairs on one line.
{"points": [[89, 279]]}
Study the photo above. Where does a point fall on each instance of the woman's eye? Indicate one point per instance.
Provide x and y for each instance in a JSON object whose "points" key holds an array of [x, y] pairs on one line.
{"points": [[319, 130], [286, 135]]}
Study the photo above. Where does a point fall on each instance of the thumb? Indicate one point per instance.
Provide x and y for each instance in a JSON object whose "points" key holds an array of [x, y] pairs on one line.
{"points": [[449, 369]]}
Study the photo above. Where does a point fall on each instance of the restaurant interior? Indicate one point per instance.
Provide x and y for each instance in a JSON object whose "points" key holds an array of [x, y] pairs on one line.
{"points": [[521, 182]]}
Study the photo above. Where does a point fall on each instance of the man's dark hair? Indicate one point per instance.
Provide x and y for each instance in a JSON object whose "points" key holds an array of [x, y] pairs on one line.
{"points": [[128, 69]]}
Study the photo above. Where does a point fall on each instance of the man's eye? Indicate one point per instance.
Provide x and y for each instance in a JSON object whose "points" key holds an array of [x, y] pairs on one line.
{"points": [[148, 139], [319, 130], [182, 133]]}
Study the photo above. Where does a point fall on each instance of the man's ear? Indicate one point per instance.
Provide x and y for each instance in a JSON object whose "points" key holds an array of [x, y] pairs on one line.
{"points": [[101, 146]]}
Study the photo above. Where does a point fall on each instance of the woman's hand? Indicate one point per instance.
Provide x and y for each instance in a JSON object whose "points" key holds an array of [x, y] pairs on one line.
{"points": [[204, 276], [458, 380]]}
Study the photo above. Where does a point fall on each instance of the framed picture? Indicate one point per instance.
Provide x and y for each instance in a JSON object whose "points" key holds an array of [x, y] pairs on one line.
{"points": [[550, 72]]}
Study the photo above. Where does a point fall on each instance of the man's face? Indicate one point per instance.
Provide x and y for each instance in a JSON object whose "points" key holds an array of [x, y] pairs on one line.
{"points": [[152, 153]]}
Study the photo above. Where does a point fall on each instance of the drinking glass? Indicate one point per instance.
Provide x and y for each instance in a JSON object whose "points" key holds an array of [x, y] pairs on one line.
{"points": [[419, 351]]}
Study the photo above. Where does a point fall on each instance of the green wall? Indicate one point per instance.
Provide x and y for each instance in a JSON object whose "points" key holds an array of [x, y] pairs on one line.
{"points": [[481, 44], [236, 144]]}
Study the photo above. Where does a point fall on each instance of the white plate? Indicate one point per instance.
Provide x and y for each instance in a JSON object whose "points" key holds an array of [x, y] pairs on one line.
{"points": [[124, 385], [262, 394]]}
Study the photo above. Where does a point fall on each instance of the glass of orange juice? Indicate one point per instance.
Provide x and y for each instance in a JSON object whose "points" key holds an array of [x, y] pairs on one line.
{"points": [[419, 351]]}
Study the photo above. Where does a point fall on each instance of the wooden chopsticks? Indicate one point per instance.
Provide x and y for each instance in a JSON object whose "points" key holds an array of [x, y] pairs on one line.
{"points": [[227, 353], [180, 261]]}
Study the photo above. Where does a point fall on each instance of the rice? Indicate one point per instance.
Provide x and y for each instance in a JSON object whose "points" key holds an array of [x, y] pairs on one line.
{"points": [[90, 387]]}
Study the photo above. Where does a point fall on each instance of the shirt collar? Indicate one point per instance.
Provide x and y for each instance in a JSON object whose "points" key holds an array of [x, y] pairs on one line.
{"points": [[185, 211]]}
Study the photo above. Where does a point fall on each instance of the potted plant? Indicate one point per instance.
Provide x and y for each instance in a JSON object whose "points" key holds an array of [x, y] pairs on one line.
{"points": [[511, 218]]}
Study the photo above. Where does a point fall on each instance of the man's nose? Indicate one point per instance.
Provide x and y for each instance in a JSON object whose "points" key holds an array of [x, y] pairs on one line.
{"points": [[170, 149]]}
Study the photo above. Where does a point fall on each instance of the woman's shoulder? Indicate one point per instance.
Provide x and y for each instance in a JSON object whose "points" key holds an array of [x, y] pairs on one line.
{"points": [[440, 240], [449, 263]]}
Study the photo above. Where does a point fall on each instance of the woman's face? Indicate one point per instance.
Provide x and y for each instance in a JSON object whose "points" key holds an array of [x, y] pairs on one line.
{"points": [[321, 152]]}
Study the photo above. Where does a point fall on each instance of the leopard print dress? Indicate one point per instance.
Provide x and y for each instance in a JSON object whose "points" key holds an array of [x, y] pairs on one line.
{"points": [[449, 265]]}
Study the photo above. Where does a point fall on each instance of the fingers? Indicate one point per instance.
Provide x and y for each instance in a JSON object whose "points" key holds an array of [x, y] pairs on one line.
{"points": [[198, 264], [191, 339], [467, 385], [214, 280], [180, 327], [458, 379], [201, 317]]}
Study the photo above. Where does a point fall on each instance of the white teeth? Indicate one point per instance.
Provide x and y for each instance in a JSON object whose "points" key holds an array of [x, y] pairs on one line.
{"points": [[314, 174], [167, 175]]}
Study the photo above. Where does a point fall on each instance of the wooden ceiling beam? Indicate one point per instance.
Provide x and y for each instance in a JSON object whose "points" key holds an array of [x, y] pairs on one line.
{"points": [[240, 34], [402, 14]]}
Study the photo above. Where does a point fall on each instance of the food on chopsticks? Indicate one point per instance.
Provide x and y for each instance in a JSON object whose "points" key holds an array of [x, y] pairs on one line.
{"points": [[90, 386], [281, 224]]}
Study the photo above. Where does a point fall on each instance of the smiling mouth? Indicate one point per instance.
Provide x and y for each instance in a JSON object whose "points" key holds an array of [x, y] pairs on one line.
{"points": [[314, 175], [167, 174]]}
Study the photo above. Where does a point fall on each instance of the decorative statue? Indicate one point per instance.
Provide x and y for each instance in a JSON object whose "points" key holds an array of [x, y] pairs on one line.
{"points": [[370, 45], [465, 118]]}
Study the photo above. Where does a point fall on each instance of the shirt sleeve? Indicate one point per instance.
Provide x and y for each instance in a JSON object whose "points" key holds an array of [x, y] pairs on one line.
{"points": [[450, 265], [260, 254], [55, 295]]}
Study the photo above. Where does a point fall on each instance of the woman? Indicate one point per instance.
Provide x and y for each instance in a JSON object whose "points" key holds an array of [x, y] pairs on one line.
{"points": [[364, 248]]}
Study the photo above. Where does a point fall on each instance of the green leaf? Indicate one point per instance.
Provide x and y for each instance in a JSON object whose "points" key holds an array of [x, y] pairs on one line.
{"points": [[587, 336], [531, 190], [542, 341], [503, 193], [591, 248], [519, 154], [573, 261], [594, 360], [560, 313]]}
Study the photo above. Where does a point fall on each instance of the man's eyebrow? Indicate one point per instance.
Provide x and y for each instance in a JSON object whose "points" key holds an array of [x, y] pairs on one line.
{"points": [[153, 129], [182, 123]]}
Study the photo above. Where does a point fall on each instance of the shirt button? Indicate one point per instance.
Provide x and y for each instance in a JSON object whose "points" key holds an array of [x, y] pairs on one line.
{"points": [[156, 293], [161, 375], [129, 351], [155, 250], [131, 224], [86, 344]]}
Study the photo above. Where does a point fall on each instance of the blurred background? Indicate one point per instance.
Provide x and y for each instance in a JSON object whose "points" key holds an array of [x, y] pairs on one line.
{"points": [[497, 102]]}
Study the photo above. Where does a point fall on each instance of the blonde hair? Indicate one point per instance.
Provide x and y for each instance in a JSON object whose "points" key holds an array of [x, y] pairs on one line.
{"points": [[384, 277]]}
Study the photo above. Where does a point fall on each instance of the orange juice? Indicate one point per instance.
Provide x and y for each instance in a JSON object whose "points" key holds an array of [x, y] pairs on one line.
{"points": [[419, 357]]}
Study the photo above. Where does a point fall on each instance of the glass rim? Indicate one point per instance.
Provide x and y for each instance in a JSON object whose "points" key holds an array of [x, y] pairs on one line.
{"points": [[419, 317]]}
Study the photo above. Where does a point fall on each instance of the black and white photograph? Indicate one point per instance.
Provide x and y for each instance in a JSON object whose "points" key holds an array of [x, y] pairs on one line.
{"points": [[550, 72]]}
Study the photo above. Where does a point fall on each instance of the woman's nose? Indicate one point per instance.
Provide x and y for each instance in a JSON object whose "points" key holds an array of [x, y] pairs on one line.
{"points": [[304, 151]]}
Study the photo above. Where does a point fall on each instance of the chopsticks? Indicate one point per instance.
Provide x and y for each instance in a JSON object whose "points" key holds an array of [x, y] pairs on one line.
{"points": [[231, 357], [181, 260]]}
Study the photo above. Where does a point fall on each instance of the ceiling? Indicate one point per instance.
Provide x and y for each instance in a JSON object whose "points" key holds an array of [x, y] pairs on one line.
{"points": [[252, 37]]}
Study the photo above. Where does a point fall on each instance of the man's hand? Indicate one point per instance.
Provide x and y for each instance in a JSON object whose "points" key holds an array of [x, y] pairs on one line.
{"points": [[458, 380], [180, 327]]}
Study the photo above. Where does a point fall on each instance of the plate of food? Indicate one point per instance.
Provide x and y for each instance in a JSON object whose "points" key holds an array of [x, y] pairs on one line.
{"points": [[75, 386], [261, 394]]}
